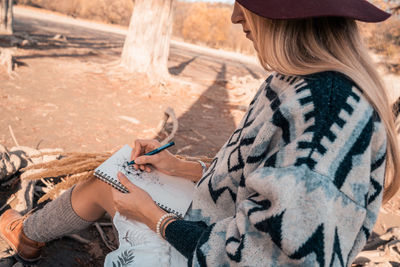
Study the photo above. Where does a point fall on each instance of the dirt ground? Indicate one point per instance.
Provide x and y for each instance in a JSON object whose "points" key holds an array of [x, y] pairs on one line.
{"points": [[69, 92]]}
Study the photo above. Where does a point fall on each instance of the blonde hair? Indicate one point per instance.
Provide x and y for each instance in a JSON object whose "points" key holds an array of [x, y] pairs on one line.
{"points": [[306, 46]]}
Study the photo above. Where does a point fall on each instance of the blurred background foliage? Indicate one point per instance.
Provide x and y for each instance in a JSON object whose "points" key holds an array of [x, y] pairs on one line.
{"points": [[209, 24], [384, 38]]}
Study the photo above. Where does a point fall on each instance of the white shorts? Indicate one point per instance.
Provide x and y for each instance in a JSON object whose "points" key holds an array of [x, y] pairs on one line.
{"points": [[140, 246]]}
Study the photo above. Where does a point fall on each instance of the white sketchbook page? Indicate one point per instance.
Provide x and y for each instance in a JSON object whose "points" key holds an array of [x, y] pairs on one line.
{"points": [[173, 192]]}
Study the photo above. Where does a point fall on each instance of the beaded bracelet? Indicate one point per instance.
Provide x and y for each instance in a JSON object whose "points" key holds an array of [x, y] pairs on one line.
{"points": [[158, 230], [164, 224]]}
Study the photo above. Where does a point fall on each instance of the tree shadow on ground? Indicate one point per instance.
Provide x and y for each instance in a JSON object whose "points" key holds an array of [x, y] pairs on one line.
{"points": [[55, 36], [88, 54], [208, 123], [176, 70]]}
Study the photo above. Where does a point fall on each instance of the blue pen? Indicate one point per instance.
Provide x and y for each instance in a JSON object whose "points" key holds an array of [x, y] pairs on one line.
{"points": [[155, 151]]}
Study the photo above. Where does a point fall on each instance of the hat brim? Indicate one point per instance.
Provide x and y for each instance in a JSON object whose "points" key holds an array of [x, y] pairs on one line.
{"points": [[296, 9]]}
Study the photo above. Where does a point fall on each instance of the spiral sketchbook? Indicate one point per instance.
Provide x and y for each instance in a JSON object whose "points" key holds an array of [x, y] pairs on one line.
{"points": [[173, 194]]}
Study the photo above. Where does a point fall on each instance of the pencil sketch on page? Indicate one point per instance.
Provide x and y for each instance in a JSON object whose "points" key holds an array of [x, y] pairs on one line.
{"points": [[138, 175]]}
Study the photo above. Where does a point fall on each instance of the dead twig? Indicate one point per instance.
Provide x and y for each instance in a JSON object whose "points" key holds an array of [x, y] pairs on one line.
{"points": [[12, 135], [79, 239], [103, 237], [105, 224], [129, 119], [189, 158], [41, 189], [168, 113], [48, 184], [115, 232], [38, 144]]}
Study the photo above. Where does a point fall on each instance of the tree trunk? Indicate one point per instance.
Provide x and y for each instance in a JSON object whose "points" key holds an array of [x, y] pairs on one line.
{"points": [[6, 16], [146, 46]]}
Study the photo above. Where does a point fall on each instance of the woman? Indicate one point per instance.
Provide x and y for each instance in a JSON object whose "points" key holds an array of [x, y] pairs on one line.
{"points": [[301, 180]]}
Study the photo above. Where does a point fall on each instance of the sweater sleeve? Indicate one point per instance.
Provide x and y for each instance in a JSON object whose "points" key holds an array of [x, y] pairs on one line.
{"points": [[309, 223], [184, 235], [310, 202]]}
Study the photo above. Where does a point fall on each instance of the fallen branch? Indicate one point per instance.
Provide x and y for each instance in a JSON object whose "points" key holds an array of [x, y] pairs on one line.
{"points": [[168, 113], [105, 224], [129, 119], [79, 239], [38, 144], [189, 158], [103, 237]]}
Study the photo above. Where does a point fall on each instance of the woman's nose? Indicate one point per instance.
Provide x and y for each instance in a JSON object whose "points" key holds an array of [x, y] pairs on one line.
{"points": [[237, 14]]}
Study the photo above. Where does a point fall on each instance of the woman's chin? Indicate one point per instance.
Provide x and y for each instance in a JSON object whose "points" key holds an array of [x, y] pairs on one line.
{"points": [[248, 36], [254, 43]]}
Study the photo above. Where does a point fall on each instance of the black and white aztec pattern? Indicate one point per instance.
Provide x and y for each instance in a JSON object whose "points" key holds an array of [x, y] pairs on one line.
{"points": [[299, 183]]}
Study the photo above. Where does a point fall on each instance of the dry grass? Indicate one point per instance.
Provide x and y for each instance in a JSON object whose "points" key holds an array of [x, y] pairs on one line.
{"points": [[209, 24], [74, 168]]}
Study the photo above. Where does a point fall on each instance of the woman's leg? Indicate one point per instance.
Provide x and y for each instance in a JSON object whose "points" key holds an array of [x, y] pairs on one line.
{"points": [[91, 199], [74, 210]]}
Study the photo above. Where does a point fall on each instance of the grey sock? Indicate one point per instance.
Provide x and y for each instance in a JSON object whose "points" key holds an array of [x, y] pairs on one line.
{"points": [[56, 219]]}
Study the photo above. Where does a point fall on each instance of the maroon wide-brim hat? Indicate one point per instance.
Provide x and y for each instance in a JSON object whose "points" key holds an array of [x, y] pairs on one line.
{"points": [[295, 9]]}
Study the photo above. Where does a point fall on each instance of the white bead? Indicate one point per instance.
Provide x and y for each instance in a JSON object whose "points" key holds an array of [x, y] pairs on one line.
{"points": [[162, 218]]}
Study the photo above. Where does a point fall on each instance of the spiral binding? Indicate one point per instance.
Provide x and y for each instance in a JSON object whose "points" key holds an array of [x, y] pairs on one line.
{"points": [[117, 185], [109, 180], [167, 209]]}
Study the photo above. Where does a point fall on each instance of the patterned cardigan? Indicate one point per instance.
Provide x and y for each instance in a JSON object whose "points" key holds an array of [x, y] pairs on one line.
{"points": [[299, 183]]}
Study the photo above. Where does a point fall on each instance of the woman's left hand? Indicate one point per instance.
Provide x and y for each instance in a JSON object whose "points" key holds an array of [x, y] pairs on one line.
{"points": [[137, 204]]}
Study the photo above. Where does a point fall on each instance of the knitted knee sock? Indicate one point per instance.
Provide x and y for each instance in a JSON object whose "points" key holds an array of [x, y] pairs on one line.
{"points": [[54, 220]]}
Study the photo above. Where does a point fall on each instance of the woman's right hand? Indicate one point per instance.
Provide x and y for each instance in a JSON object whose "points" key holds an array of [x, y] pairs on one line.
{"points": [[164, 161]]}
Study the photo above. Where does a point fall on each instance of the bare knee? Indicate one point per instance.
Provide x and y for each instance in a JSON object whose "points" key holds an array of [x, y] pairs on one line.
{"points": [[92, 185], [91, 198], [100, 193]]}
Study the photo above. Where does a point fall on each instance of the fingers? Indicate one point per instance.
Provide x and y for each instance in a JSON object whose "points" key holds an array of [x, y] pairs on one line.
{"points": [[142, 160], [129, 185], [125, 181], [142, 146], [137, 150], [143, 168]]}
